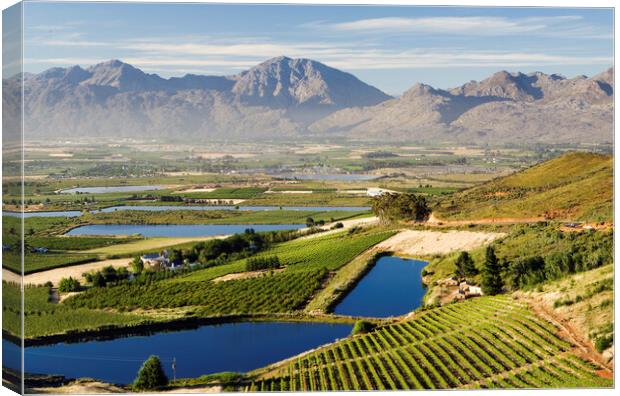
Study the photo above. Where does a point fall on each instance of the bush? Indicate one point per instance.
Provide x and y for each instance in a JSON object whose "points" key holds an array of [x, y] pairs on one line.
{"points": [[337, 225], [362, 327], [151, 375], [260, 263], [69, 285], [604, 342]]}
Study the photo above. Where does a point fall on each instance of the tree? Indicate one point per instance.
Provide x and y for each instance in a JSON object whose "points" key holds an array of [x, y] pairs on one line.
{"points": [[98, 280], [391, 207], [68, 285], [362, 327], [151, 374], [137, 266], [465, 266], [491, 277]]}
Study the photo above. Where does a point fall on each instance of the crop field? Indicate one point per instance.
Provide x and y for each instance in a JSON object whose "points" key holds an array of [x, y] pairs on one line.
{"points": [[77, 243], [41, 262], [308, 262], [217, 217], [227, 193], [314, 199], [329, 251], [271, 293], [44, 317], [489, 342], [146, 245]]}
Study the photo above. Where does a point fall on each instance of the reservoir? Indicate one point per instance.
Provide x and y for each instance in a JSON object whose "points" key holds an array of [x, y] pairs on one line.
{"points": [[177, 230], [393, 287], [208, 349]]}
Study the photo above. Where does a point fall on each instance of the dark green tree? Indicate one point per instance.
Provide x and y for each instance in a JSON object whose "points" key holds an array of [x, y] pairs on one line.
{"points": [[68, 285], [465, 266], [137, 266], [151, 375], [491, 277], [391, 207], [362, 327]]}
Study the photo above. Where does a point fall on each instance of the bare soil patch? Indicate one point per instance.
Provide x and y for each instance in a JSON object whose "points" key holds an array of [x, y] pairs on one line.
{"points": [[426, 243], [76, 271], [244, 275]]}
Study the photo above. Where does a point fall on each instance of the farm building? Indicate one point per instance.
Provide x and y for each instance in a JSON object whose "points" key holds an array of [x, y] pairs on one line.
{"points": [[156, 260]]}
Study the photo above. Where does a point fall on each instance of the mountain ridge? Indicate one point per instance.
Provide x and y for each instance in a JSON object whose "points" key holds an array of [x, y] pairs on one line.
{"points": [[286, 97]]}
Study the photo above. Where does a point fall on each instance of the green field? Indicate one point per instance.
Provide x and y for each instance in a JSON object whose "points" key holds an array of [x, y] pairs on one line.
{"points": [[317, 252], [307, 263], [216, 217], [40, 262], [575, 186], [42, 317], [490, 342]]}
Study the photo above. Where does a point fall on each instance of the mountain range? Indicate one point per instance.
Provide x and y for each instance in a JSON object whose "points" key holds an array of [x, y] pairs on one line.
{"points": [[288, 98]]}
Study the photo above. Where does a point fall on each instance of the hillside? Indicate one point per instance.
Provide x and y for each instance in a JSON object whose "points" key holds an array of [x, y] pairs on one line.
{"points": [[277, 97], [488, 342], [284, 98], [583, 302], [506, 107], [575, 186]]}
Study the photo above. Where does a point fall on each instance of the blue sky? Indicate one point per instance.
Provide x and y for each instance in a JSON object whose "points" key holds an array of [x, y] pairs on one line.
{"points": [[389, 47]]}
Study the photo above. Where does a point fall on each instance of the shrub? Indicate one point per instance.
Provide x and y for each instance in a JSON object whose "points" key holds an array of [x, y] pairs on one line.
{"points": [[69, 285], [151, 375], [260, 263], [362, 327], [604, 342], [337, 225]]}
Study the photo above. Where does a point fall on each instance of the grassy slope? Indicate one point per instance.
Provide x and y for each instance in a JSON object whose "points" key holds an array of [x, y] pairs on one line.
{"points": [[575, 186], [585, 300], [489, 342], [523, 241]]}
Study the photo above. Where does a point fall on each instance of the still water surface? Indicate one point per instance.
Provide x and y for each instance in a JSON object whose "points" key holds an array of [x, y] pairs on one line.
{"points": [[177, 230], [393, 287], [208, 349]]}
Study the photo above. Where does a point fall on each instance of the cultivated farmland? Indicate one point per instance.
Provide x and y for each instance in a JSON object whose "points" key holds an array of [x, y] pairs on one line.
{"points": [[483, 343]]}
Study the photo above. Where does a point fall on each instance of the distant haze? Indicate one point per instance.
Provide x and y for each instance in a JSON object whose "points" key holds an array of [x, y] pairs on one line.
{"points": [[295, 98]]}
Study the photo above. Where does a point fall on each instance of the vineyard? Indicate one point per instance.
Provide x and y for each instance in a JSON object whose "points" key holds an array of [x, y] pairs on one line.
{"points": [[489, 342], [328, 251], [44, 317], [271, 293]]}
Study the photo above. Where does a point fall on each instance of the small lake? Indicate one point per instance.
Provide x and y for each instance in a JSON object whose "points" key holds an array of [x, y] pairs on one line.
{"points": [[393, 287], [239, 347], [177, 230], [110, 189]]}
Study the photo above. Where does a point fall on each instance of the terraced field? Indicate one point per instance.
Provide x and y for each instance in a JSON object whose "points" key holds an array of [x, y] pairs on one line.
{"points": [[489, 342]]}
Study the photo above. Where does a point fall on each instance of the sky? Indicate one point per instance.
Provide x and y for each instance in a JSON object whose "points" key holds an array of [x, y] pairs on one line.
{"points": [[390, 47]]}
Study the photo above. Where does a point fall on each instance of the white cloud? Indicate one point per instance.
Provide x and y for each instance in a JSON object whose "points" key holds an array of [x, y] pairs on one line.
{"points": [[560, 26]]}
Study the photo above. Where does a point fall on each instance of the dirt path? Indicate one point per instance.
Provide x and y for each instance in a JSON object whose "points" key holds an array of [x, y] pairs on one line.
{"points": [[566, 330], [434, 221], [76, 271], [346, 225]]}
